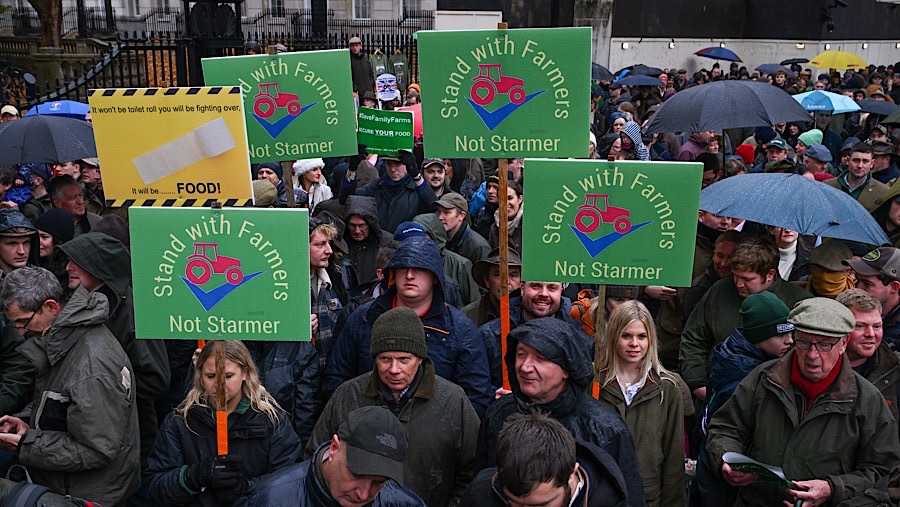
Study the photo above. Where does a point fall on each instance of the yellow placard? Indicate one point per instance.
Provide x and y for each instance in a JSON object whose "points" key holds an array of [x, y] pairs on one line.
{"points": [[172, 146]]}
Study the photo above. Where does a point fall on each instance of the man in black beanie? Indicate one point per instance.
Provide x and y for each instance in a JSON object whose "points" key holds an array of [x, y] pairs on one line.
{"points": [[439, 464], [553, 370]]}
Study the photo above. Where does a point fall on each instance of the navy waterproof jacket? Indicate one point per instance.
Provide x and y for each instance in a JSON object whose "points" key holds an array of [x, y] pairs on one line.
{"points": [[732, 361], [451, 338], [290, 372]]}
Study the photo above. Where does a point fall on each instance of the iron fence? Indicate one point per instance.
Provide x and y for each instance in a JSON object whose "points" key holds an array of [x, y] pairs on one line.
{"points": [[151, 58]]}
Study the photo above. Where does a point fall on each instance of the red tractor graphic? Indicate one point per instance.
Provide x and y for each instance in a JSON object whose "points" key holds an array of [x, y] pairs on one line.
{"points": [[491, 81], [269, 99], [596, 211], [206, 261]]}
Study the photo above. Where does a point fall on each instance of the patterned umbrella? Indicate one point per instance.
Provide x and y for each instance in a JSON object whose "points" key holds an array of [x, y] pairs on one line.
{"points": [[794, 202]]}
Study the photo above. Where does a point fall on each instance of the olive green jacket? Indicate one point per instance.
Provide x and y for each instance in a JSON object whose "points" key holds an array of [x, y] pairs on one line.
{"points": [[656, 420], [716, 316], [847, 437]]}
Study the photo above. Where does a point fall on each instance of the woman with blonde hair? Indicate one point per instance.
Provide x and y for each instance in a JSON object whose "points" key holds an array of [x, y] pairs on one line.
{"points": [[631, 379], [183, 466]]}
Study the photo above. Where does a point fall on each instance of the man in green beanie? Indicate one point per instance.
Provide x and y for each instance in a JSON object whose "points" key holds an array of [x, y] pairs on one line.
{"points": [[764, 334], [438, 418], [809, 413]]}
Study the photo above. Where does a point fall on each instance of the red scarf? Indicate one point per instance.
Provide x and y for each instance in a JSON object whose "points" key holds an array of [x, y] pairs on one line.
{"points": [[811, 389]]}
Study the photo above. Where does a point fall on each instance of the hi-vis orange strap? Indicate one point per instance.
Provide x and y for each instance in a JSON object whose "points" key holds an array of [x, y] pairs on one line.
{"points": [[595, 390], [222, 432]]}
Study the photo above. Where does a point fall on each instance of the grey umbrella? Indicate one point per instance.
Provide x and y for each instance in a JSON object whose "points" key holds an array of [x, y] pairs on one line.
{"points": [[893, 119], [726, 104], [794, 202], [881, 107], [46, 139]]}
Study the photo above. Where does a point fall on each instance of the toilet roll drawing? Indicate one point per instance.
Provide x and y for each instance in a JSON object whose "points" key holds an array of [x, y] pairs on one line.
{"points": [[206, 141]]}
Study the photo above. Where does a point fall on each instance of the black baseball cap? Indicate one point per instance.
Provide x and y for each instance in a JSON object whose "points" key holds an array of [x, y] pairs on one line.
{"points": [[376, 442]]}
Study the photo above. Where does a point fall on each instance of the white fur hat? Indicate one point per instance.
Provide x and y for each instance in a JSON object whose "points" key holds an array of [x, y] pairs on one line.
{"points": [[302, 167]]}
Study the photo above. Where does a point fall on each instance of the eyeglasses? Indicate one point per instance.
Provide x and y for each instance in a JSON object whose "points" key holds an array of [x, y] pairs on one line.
{"points": [[357, 226], [20, 324], [820, 346]]}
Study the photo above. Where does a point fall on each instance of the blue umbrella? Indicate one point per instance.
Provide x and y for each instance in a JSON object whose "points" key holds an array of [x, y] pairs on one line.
{"points": [[68, 108], [770, 68], [818, 100], [794, 202], [717, 53], [639, 81]]}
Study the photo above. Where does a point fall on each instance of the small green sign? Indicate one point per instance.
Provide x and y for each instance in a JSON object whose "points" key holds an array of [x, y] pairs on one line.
{"points": [[298, 105], [385, 132], [506, 93], [621, 223], [222, 274]]}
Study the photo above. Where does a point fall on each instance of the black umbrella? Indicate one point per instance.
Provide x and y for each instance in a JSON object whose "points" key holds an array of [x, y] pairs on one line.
{"points": [[639, 80], [600, 73], [46, 139], [881, 107], [726, 104], [640, 70], [791, 61]]}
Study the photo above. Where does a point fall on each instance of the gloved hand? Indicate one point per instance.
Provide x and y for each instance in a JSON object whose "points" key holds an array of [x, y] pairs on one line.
{"points": [[215, 473], [409, 160], [354, 161], [229, 495]]}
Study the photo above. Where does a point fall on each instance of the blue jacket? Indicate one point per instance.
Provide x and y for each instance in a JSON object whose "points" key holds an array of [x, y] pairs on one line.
{"points": [[298, 486], [452, 340], [490, 333]]}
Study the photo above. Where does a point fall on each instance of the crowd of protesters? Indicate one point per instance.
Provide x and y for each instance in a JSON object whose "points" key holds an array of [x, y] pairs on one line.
{"points": [[782, 350]]}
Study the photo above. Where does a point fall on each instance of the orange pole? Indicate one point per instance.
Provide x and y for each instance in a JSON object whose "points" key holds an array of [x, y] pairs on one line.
{"points": [[221, 413], [504, 270], [504, 261]]}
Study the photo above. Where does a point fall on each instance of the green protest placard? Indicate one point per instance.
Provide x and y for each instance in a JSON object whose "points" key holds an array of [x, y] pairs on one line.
{"points": [[625, 223], [223, 274], [506, 93], [385, 132], [298, 105]]}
